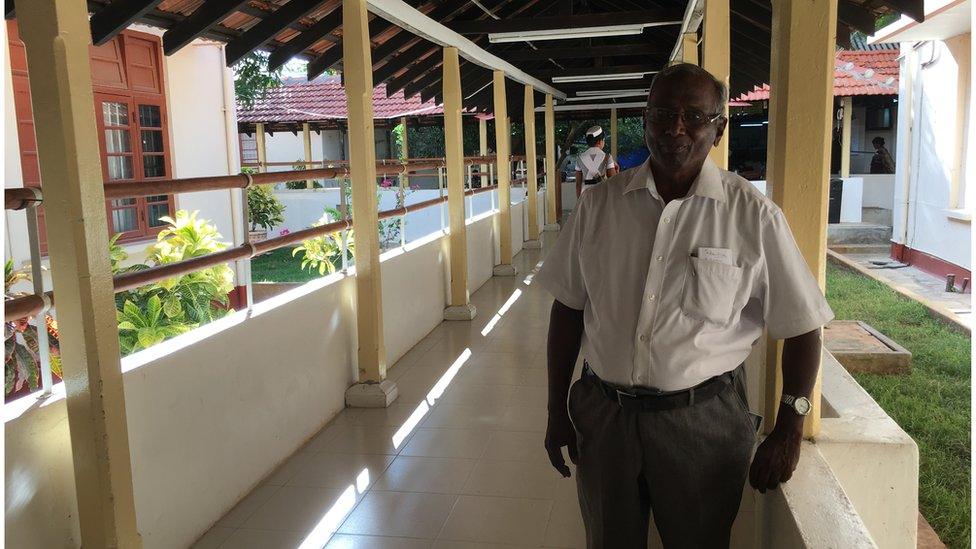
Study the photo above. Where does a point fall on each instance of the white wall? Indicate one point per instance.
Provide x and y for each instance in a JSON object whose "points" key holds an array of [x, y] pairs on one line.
{"points": [[199, 132], [197, 403], [879, 190], [929, 155]]}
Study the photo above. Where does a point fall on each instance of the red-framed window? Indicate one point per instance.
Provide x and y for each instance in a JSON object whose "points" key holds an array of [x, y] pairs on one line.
{"points": [[132, 123]]}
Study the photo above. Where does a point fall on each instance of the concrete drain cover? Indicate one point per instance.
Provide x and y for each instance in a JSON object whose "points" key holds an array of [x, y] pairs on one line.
{"points": [[862, 349]]}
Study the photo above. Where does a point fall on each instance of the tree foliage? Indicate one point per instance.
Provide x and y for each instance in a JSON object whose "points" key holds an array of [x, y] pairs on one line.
{"points": [[252, 79]]}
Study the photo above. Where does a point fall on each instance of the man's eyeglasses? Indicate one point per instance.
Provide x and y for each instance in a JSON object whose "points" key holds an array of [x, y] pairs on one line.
{"points": [[691, 118]]}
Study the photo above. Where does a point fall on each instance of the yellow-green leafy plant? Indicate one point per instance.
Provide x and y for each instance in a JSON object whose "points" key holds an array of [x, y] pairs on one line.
{"points": [[324, 253]]}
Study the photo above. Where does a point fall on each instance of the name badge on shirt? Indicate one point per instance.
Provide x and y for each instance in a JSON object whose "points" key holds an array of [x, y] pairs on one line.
{"points": [[721, 255]]}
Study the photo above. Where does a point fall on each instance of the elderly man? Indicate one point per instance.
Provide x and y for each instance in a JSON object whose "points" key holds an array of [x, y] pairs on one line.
{"points": [[667, 274]]}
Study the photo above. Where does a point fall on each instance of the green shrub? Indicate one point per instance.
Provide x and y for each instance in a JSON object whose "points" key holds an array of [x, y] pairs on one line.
{"points": [[263, 207]]}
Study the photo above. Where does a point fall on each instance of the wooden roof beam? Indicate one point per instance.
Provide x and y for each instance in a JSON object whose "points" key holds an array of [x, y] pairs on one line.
{"points": [[110, 20], [856, 16], [423, 48], [378, 26], [399, 12], [417, 70], [267, 28], [298, 44], [526, 24], [209, 13], [912, 8]]}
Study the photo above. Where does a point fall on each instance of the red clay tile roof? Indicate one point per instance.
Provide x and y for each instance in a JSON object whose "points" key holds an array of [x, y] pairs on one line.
{"points": [[326, 100], [855, 73]]}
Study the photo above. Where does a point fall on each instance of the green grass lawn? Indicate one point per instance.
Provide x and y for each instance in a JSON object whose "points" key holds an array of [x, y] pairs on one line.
{"points": [[280, 266], [932, 404]]}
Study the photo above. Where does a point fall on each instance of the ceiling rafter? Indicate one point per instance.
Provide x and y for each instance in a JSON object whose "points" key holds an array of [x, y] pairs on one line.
{"points": [[209, 13], [112, 19], [268, 27], [424, 48], [324, 26]]}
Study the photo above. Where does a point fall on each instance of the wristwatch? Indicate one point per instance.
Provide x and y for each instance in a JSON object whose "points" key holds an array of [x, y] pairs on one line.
{"points": [[800, 405]]}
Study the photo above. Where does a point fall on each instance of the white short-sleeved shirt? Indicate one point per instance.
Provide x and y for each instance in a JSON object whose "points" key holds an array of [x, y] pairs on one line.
{"points": [[675, 294], [591, 160]]}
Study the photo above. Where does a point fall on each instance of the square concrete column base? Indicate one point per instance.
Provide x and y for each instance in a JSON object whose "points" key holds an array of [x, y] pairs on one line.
{"points": [[551, 227], [371, 394], [532, 244], [460, 312], [504, 270]]}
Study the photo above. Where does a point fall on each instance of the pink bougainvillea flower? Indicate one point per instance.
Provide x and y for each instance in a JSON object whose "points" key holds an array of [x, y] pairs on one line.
{"points": [[284, 232], [386, 183]]}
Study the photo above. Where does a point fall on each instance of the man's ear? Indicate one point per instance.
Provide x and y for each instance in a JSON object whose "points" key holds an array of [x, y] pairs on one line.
{"points": [[720, 130]]}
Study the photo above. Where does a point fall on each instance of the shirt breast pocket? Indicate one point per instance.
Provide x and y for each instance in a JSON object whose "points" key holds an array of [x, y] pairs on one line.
{"points": [[710, 290]]}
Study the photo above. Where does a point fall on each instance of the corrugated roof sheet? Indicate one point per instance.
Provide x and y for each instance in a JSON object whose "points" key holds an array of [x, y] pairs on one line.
{"points": [[326, 100], [855, 73]]}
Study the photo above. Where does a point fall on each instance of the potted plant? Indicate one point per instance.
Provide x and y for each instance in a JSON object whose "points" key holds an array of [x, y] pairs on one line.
{"points": [[263, 210]]}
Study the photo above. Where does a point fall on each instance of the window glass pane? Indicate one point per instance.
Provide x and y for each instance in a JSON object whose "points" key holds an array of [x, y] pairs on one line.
{"points": [[119, 202], [117, 141], [124, 220], [115, 114], [153, 166], [155, 212], [149, 116], [119, 167], [152, 141]]}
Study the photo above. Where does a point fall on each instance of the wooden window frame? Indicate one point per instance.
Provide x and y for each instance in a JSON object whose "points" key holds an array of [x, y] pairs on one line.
{"points": [[134, 99]]}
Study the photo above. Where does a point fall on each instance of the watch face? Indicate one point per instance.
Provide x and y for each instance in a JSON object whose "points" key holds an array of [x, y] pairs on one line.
{"points": [[802, 406]]}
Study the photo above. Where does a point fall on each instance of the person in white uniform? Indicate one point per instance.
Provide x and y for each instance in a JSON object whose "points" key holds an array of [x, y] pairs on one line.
{"points": [[666, 275], [594, 164]]}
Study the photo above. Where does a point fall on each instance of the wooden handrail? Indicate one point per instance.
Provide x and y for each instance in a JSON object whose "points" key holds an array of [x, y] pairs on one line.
{"points": [[30, 305]]}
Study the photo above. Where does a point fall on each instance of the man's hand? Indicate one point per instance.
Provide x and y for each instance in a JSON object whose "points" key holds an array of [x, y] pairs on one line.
{"points": [[559, 433], [777, 456]]}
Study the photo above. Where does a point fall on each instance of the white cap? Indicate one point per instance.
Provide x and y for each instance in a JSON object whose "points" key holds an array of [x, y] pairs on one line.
{"points": [[595, 131]]}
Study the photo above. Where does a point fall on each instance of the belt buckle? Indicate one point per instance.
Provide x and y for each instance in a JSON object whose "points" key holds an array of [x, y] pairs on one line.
{"points": [[623, 394]]}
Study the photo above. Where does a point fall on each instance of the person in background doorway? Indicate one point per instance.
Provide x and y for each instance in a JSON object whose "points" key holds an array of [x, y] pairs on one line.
{"points": [[594, 165], [881, 162]]}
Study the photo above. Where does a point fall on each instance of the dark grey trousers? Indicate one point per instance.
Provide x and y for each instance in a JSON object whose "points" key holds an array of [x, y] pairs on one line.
{"points": [[688, 466]]}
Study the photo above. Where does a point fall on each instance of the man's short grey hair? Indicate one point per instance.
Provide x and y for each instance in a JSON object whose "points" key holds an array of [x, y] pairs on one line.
{"points": [[687, 69]]}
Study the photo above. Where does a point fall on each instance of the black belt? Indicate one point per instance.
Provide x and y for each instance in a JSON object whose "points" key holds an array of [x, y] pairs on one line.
{"points": [[655, 400], [591, 181]]}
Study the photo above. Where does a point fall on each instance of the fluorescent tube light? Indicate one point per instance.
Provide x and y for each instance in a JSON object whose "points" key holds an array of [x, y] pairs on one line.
{"points": [[601, 77], [566, 34], [581, 93], [637, 93]]}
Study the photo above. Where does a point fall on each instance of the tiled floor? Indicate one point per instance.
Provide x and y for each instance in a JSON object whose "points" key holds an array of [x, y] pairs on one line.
{"points": [[456, 462]]}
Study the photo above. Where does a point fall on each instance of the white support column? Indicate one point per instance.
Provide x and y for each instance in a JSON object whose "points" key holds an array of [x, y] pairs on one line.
{"points": [[503, 147], [552, 178], [262, 151], [460, 307], [373, 389], [483, 148], [845, 132], [307, 139], [531, 171], [57, 38], [613, 133]]}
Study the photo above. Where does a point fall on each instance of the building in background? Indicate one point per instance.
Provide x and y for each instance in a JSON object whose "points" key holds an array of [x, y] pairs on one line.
{"points": [[935, 156]]}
